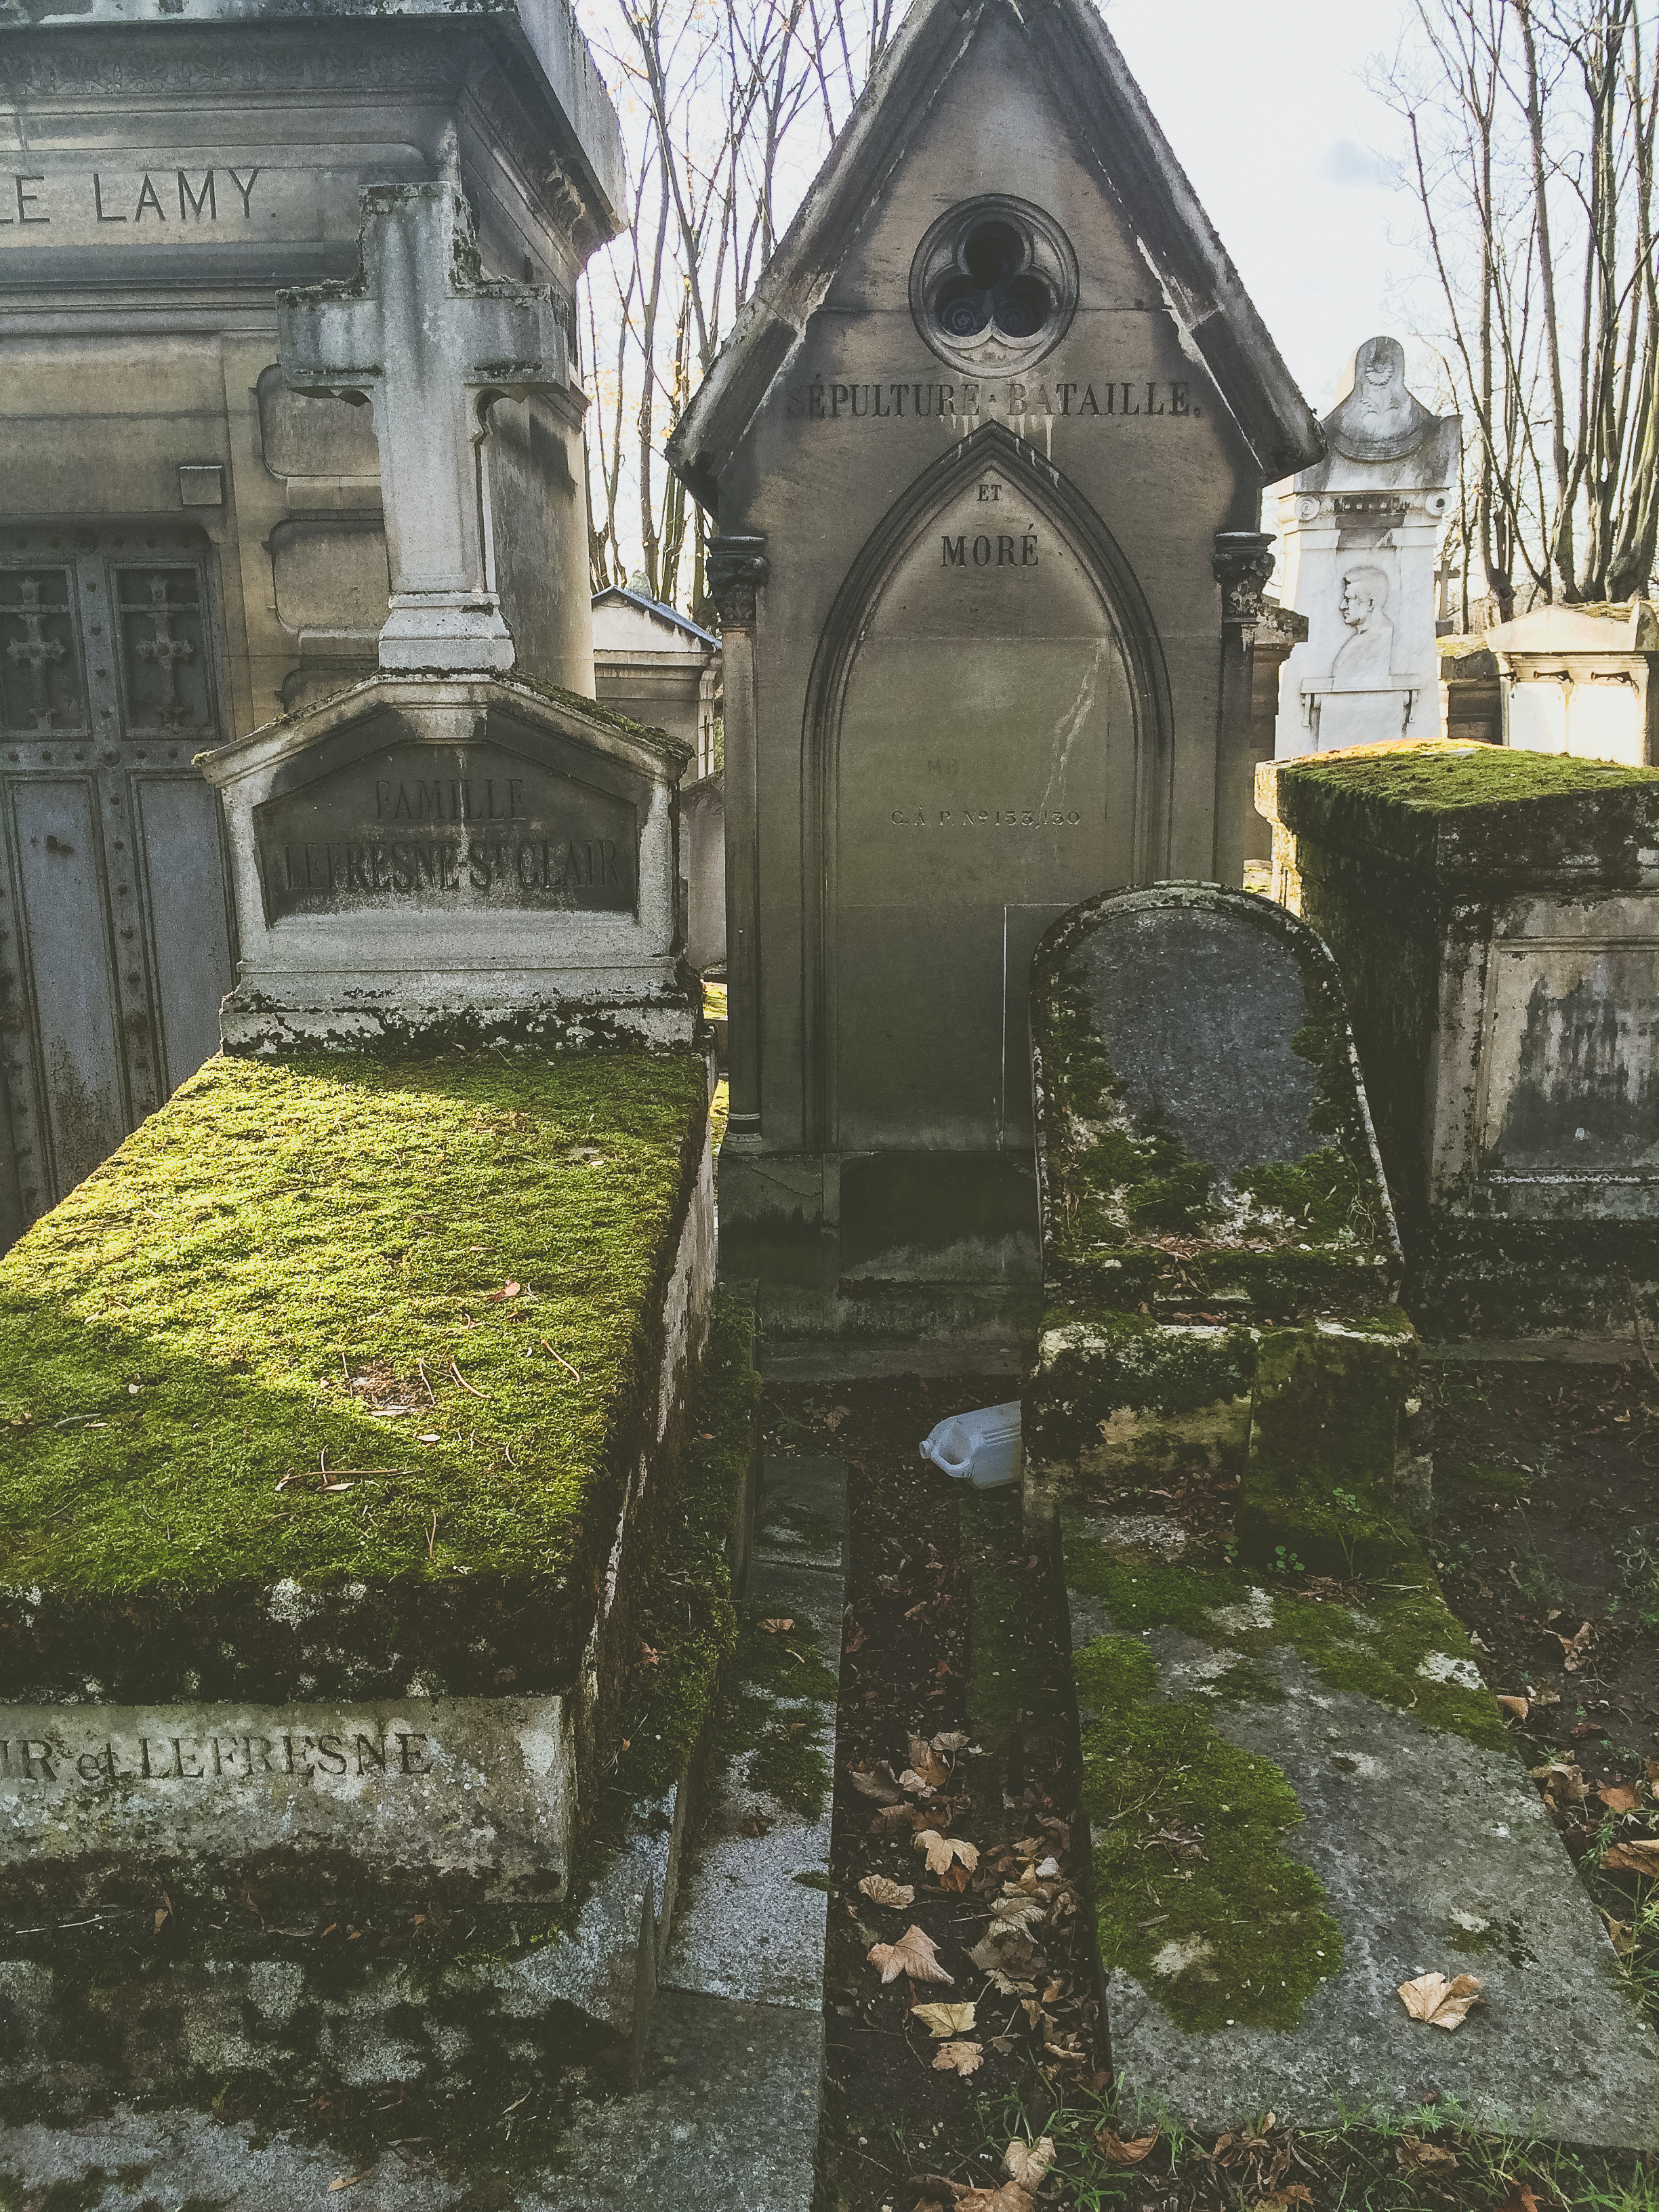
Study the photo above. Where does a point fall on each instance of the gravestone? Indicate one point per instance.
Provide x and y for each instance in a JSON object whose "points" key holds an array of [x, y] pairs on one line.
{"points": [[188, 544], [1494, 915], [1298, 1791], [1219, 1253], [1361, 534], [986, 453], [1580, 681]]}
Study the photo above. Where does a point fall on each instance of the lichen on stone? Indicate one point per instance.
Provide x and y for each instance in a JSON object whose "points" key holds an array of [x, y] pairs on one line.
{"points": [[1378, 1647]]}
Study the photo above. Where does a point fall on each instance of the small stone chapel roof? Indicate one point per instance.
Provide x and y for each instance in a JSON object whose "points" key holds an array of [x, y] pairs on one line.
{"points": [[1108, 113], [614, 592]]}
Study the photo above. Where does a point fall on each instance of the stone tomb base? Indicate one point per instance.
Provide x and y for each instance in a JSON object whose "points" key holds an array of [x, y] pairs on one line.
{"points": [[269, 1826]]}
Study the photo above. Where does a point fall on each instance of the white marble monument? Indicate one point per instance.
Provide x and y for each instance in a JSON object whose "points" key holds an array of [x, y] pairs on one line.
{"points": [[1361, 531]]}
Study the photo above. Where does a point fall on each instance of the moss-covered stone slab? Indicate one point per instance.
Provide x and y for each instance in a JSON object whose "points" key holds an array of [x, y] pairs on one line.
{"points": [[337, 1377], [753, 1923], [344, 1408], [1209, 1184], [1491, 912], [1295, 1803]]}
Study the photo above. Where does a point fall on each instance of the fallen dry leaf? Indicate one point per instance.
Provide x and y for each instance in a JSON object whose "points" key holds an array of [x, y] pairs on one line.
{"points": [[902, 1815], [777, 1627], [950, 1740], [880, 1890], [1443, 2004], [1637, 1855], [507, 1291], [1294, 2192], [917, 1785], [944, 2020], [1011, 2197], [933, 1771], [1111, 2146], [1621, 1934], [1565, 1783], [958, 2058], [1517, 1708], [1523, 2200], [1416, 2156], [1015, 1915], [1575, 1650], [914, 1955], [878, 1782], [349, 2181], [1027, 2163], [941, 1849], [1618, 1796]]}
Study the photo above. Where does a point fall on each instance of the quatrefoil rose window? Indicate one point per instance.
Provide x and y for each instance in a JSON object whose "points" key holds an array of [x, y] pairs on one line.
{"points": [[994, 285]]}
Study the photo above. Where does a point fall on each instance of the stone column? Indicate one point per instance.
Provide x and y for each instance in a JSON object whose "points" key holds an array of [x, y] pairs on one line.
{"points": [[1241, 563], [737, 568]]}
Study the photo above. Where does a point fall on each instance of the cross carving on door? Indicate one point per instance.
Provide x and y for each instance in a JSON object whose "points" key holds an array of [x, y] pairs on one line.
{"points": [[431, 343], [35, 650], [166, 651]]}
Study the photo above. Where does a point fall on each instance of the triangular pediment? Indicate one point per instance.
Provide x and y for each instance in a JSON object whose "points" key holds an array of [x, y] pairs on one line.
{"points": [[1098, 103]]}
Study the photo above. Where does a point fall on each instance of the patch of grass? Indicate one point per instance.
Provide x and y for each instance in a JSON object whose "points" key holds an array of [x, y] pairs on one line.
{"points": [[1362, 2163]]}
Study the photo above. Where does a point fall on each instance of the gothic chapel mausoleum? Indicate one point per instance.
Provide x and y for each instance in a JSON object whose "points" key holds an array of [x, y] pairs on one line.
{"points": [[985, 457]]}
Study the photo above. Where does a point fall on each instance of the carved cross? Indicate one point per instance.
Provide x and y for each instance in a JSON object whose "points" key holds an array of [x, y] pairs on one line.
{"points": [[167, 651], [431, 343], [35, 650]]}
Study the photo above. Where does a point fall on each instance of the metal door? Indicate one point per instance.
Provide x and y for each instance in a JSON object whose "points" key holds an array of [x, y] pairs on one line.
{"points": [[116, 930]]}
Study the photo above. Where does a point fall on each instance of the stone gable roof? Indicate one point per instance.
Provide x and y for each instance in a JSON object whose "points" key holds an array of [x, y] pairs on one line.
{"points": [[1106, 113]]}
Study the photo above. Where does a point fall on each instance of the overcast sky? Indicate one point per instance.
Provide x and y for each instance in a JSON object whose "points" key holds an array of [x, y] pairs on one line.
{"points": [[1265, 106]]}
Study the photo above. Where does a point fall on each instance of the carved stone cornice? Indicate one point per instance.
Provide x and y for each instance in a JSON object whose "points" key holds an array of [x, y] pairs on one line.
{"points": [[736, 568], [1241, 563]]}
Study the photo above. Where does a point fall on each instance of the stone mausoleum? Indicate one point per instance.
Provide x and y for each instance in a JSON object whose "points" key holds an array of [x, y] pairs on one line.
{"points": [[188, 545], [985, 455]]}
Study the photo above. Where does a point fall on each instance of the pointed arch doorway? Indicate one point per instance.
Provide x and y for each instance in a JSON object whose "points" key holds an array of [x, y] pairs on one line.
{"points": [[987, 741]]}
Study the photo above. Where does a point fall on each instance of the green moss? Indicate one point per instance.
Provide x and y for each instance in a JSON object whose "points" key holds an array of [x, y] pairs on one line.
{"points": [[281, 1249], [773, 1711], [1319, 1477], [690, 1619], [1245, 1939], [1375, 1650], [1435, 777]]}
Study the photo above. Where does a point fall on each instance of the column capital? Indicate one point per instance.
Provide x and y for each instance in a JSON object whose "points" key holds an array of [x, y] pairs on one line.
{"points": [[736, 568], [1241, 563]]}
